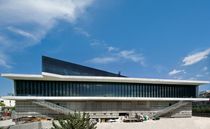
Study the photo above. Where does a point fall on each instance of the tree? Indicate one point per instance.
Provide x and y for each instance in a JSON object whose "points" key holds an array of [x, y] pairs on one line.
{"points": [[74, 121], [2, 104]]}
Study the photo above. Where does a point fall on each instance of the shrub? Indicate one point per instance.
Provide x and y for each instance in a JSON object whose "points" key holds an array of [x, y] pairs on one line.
{"points": [[74, 121], [2, 104]]}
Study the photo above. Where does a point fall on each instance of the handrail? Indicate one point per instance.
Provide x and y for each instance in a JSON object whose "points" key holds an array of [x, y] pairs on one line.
{"points": [[53, 106]]}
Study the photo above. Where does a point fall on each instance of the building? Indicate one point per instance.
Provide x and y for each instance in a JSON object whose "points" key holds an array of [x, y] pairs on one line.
{"points": [[65, 87], [202, 108], [6, 107], [7, 103], [204, 94]]}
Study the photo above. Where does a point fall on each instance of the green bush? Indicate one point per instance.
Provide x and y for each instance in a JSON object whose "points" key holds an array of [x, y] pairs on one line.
{"points": [[74, 121], [201, 109], [2, 104]]}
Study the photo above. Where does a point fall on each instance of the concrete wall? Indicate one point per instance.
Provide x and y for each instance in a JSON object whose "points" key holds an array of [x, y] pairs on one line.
{"points": [[107, 109], [34, 125]]}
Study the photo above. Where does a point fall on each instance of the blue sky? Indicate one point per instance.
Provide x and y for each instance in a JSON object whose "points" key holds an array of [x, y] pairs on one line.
{"points": [[146, 38]]}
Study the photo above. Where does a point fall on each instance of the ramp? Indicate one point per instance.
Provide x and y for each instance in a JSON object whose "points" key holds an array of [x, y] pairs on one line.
{"points": [[53, 106], [171, 108]]}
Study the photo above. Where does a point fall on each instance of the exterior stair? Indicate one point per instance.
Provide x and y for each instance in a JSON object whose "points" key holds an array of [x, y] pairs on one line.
{"points": [[170, 108], [53, 106], [16, 115]]}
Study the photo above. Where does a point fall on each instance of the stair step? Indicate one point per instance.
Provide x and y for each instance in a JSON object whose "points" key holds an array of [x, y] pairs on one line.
{"points": [[53, 106]]}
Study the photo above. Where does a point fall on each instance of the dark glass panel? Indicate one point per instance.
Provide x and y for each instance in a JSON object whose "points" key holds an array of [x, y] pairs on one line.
{"points": [[56, 66], [146, 87], [61, 88], [137, 90], [142, 90]]}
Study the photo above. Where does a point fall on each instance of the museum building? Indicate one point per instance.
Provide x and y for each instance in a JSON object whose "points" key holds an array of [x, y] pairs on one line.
{"points": [[65, 87]]}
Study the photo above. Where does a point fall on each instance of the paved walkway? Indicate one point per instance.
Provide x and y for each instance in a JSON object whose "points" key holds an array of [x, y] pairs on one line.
{"points": [[6, 123], [164, 123]]}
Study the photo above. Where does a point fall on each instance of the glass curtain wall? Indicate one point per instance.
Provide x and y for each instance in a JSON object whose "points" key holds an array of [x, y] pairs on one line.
{"points": [[65, 88]]}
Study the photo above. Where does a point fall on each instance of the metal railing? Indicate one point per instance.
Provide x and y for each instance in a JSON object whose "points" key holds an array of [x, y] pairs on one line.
{"points": [[53, 106]]}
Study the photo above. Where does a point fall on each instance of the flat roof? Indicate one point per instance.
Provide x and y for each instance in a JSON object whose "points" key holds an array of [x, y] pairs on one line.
{"points": [[57, 77], [102, 98]]}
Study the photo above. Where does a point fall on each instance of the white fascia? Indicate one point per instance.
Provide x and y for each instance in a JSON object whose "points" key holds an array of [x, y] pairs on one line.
{"points": [[55, 98], [52, 76], [57, 77]]}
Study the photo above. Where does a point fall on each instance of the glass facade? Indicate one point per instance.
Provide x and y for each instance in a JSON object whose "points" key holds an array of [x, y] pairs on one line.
{"points": [[67, 88], [56, 66]]}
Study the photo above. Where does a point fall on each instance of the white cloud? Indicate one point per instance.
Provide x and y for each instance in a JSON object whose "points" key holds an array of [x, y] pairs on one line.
{"points": [[21, 32], [95, 42], [38, 16], [116, 53], [3, 61], [199, 75], [4, 46], [118, 56], [42, 12], [195, 58], [132, 55], [3, 41], [82, 32], [103, 60], [30, 20], [175, 72], [205, 68], [110, 48], [99, 43], [192, 78]]}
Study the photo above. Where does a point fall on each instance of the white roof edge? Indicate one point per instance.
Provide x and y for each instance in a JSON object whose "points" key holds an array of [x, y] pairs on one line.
{"points": [[14, 76], [57, 77], [102, 98], [124, 79]]}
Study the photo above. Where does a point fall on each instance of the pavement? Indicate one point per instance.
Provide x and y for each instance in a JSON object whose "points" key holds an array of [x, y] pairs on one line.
{"points": [[163, 123], [6, 123]]}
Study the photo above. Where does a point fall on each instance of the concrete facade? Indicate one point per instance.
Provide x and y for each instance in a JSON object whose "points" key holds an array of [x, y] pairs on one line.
{"points": [[105, 109]]}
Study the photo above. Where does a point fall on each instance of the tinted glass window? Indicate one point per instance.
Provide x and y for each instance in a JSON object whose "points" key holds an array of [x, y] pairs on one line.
{"points": [[64, 88], [52, 65]]}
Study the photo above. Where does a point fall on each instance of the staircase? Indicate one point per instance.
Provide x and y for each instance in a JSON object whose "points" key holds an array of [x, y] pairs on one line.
{"points": [[16, 115], [170, 108], [53, 107]]}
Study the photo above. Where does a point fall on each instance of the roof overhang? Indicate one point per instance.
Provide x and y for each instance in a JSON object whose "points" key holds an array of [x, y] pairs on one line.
{"points": [[55, 98], [56, 77]]}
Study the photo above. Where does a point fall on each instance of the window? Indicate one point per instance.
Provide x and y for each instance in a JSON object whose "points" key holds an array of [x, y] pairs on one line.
{"points": [[58, 88]]}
